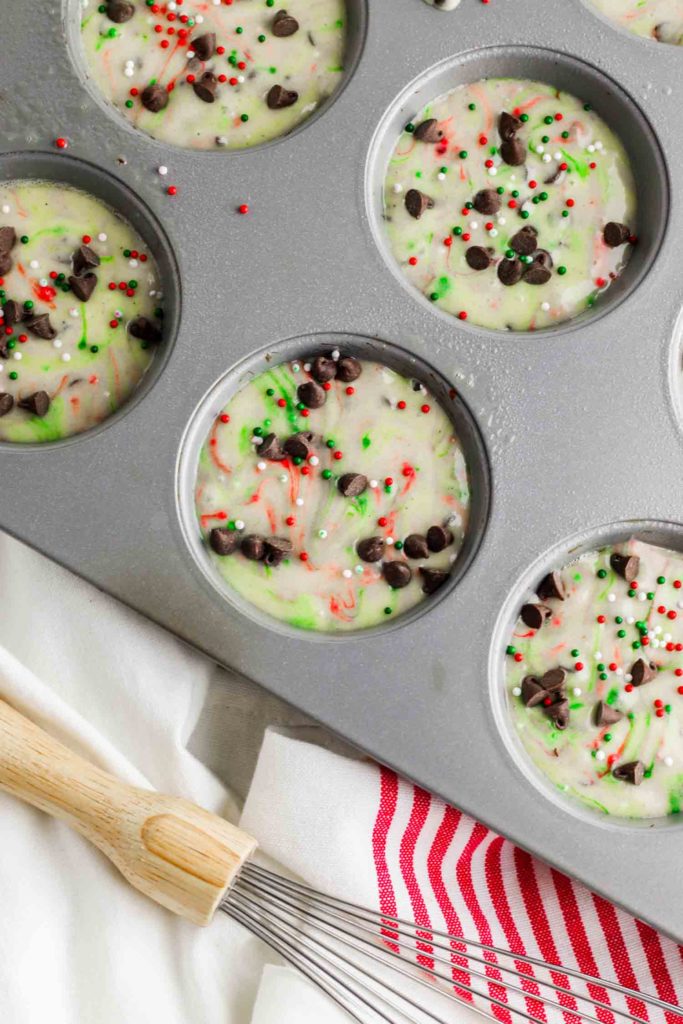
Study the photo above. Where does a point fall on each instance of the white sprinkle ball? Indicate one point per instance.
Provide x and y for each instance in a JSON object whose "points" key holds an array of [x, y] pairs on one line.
{"points": [[299, 501], [620, 672], [283, 478], [347, 574], [558, 156], [577, 691], [239, 524], [545, 306], [501, 220], [474, 224], [642, 596], [162, 169], [34, 264], [441, 176], [240, 79], [335, 353], [493, 233], [314, 460], [43, 282], [630, 620], [374, 484], [668, 761], [66, 358], [599, 755], [627, 677], [590, 147], [667, 638], [493, 171], [260, 466], [516, 691], [5, 208], [598, 655], [540, 149], [18, 356], [397, 188], [57, 343], [102, 237], [256, 440], [390, 541], [129, 72], [307, 367], [611, 598], [198, 19], [546, 158]]}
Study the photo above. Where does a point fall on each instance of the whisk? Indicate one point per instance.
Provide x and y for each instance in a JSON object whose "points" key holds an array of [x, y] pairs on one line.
{"points": [[376, 967]]}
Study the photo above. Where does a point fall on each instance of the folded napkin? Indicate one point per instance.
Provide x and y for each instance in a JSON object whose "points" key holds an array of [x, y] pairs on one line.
{"points": [[78, 946]]}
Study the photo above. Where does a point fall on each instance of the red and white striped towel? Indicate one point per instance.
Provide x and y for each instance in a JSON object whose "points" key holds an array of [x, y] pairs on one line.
{"points": [[362, 833]]}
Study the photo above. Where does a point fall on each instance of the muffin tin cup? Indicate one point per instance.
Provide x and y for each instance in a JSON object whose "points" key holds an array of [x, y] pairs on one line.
{"points": [[80, 174], [578, 426], [367, 349]]}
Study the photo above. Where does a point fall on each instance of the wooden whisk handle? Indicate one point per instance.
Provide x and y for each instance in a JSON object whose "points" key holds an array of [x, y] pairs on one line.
{"points": [[183, 857]]}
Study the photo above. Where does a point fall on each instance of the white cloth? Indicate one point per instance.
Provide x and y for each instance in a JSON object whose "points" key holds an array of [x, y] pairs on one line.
{"points": [[77, 944]]}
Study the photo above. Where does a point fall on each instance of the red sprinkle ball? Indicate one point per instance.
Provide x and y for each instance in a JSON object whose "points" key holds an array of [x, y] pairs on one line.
{"points": [[425, 409], [171, 190], [61, 143], [225, 417], [244, 208]]}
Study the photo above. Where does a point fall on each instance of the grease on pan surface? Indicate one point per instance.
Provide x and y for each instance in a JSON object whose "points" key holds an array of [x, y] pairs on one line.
{"points": [[81, 314], [661, 20], [334, 494], [206, 75], [595, 679], [510, 204]]}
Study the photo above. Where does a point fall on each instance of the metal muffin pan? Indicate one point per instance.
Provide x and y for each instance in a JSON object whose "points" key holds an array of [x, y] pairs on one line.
{"points": [[579, 424]]}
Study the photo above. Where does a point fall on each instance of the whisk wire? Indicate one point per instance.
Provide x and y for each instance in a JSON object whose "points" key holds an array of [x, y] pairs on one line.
{"points": [[394, 937], [359, 957]]}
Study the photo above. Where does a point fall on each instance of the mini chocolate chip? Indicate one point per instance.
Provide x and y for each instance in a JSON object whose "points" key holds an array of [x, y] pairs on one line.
{"points": [[539, 270], [605, 714], [284, 24], [278, 97], [8, 238], [553, 681], [154, 98], [508, 125], [276, 550], [615, 234], [370, 549], [551, 586], [323, 369], [301, 445], [6, 263], [558, 713], [643, 671], [204, 46], [626, 566], [253, 547], [632, 772], [12, 312], [84, 286], [348, 369], [37, 403], [119, 11], [513, 152], [85, 258], [145, 329], [311, 394], [487, 200], [352, 484], [397, 574], [524, 242], [205, 89], [428, 131], [478, 258], [271, 449], [534, 615], [40, 326], [510, 271], [532, 691], [224, 541], [438, 538], [4, 350], [6, 403], [415, 546], [432, 579], [417, 202]]}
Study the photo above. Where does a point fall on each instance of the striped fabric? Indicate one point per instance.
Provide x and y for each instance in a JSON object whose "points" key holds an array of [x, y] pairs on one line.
{"points": [[445, 871]]}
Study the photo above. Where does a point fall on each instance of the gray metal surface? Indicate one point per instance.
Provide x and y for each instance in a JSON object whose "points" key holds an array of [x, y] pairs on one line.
{"points": [[580, 424]]}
